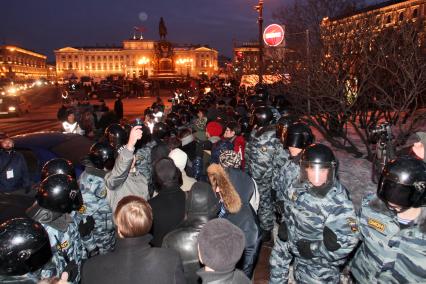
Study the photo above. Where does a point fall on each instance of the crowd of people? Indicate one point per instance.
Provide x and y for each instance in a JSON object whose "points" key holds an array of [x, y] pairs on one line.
{"points": [[191, 195]]}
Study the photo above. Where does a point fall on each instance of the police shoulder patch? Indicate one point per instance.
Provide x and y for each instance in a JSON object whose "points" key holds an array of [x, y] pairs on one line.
{"points": [[62, 246], [82, 209], [375, 224], [352, 224]]}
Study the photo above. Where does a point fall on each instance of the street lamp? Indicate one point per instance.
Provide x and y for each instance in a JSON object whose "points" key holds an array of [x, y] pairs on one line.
{"points": [[259, 9], [143, 61]]}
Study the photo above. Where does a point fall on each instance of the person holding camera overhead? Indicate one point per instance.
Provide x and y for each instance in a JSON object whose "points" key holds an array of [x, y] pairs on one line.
{"points": [[123, 179]]}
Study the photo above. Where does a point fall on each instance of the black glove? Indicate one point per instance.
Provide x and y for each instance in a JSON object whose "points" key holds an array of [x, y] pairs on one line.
{"points": [[283, 232], [72, 269], [86, 228], [330, 239], [304, 248]]}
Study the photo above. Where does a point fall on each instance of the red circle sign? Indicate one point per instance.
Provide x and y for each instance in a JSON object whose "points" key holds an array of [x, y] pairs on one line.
{"points": [[273, 35]]}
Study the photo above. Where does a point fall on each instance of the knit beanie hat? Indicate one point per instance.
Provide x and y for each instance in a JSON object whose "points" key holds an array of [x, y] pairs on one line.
{"points": [[214, 128], [179, 157], [230, 159], [220, 244], [166, 174]]}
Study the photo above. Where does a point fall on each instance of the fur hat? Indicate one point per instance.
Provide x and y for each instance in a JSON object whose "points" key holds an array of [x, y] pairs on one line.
{"points": [[230, 159], [214, 128], [220, 244], [179, 157]]}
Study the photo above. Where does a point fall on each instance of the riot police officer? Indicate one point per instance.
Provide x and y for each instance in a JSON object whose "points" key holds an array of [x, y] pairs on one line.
{"points": [[319, 230], [57, 197], [295, 138], [57, 166], [24, 251], [262, 148], [116, 136], [92, 186], [393, 226]]}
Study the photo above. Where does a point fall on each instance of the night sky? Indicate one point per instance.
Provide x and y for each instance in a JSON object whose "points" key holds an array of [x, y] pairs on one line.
{"points": [[46, 25]]}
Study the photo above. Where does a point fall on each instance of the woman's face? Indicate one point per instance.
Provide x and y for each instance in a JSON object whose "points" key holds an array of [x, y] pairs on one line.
{"points": [[71, 118], [229, 133]]}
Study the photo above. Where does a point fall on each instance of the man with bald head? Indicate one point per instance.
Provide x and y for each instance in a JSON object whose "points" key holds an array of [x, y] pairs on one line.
{"points": [[14, 175]]}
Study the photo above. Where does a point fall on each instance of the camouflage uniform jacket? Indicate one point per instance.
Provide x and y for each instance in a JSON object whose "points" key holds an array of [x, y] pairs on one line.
{"points": [[66, 246], [94, 193], [307, 215], [285, 172], [143, 160], [262, 150], [389, 254]]}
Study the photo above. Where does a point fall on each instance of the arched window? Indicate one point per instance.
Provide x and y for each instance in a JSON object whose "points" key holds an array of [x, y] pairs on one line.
{"points": [[401, 16], [415, 12], [388, 19]]}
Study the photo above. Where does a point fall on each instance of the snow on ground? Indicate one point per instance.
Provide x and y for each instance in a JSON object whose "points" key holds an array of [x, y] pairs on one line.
{"points": [[354, 173]]}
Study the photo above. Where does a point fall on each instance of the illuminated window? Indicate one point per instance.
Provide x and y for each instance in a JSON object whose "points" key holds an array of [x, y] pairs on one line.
{"points": [[76, 65], [110, 66], [105, 66], [69, 65]]}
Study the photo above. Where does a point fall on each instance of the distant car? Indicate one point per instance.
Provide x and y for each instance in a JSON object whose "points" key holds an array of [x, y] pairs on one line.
{"points": [[38, 148], [14, 105]]}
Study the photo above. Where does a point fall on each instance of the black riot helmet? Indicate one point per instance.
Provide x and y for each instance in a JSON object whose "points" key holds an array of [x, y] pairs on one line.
{"points": [[160, 130], [201, 202], [261, 116], [403, 182], [173, 120], [318, 166], [59, 193], [116, 136], [244, 123], [57, 166], [24, 247], [262, 93], [282, 125], [102, 156], [298, 135]]}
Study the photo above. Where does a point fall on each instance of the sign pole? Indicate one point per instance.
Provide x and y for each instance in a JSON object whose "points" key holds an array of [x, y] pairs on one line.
{"points": [[260, 22]]}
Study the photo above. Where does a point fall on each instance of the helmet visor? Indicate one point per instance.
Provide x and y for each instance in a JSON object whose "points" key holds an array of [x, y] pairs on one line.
{"points": [[318, 174]]}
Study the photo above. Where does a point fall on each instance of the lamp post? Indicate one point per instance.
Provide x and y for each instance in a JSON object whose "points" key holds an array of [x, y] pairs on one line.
{"points": [[259, 9]]}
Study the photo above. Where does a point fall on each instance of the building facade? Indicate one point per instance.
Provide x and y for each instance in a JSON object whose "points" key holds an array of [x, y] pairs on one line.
{"points": [[136, 59], [376, 18], [19, 64]]}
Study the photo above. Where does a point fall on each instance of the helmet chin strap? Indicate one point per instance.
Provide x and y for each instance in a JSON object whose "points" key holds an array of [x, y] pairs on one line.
{"points": [[322, 190], [56, 220]]}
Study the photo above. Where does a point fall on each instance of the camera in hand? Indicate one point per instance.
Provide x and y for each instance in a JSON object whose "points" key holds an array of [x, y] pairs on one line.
{"points": [[138, 122], [382, 131]]}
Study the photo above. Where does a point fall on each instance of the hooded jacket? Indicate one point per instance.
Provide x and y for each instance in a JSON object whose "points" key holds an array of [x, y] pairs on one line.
{"points": [[236, 189], [201, 206]]}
